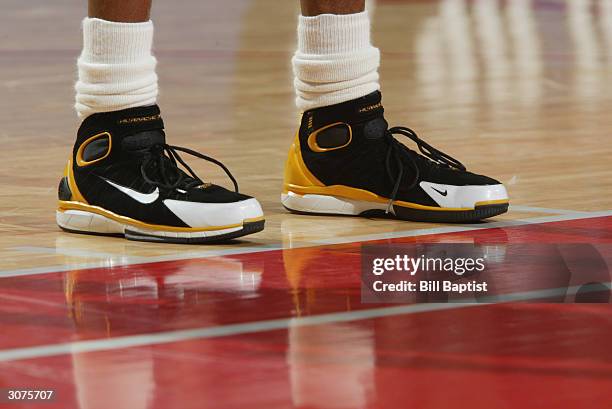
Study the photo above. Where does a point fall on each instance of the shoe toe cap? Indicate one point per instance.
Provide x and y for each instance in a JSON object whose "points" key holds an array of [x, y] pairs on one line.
{"points": [[215, 215], [467, 196]]}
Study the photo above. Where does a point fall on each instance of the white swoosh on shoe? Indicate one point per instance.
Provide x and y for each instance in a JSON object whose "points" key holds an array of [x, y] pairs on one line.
{"points": [[144, 198]]}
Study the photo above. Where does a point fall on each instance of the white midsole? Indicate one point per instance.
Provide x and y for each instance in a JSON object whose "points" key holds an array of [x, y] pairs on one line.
{"points": [[447, 196], [328, 204], [88, 222]]}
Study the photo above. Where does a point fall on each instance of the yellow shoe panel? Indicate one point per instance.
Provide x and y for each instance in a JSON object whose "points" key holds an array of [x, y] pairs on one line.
{"points": [[296, 171], [74, 190]]}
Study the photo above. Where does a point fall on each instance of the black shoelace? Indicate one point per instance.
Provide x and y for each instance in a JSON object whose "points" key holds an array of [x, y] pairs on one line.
{"points": [[165, 159], [432, 154]]}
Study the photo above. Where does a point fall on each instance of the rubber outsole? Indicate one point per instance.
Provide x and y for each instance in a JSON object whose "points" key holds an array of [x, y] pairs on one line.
{"points": [[456, 216], [247, 228]]}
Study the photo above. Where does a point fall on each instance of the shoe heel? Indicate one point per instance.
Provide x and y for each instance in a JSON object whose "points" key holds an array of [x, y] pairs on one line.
{"points": [[326, 204], [78, 221]]}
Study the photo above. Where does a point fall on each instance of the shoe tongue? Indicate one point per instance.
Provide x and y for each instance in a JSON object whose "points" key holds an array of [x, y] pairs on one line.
{"points": [[141, 128], [367, 107], [370, 112], [364, 114], [143, 140], [375, 128]]}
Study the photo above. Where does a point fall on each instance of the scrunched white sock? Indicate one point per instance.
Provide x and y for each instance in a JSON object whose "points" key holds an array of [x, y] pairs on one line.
{"points": [[335, 61], [116, 67]]}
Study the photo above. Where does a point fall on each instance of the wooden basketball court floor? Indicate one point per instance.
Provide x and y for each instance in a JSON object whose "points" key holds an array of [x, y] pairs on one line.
{"points": [[520, 90]]}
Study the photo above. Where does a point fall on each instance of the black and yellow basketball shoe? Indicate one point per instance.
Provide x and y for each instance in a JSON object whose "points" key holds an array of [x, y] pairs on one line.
{"points": [[123, 179], [345, 160]]}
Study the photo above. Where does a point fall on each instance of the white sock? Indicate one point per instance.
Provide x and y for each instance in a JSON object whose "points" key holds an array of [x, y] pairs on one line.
{"points": [[335, 61], [116, 67]]}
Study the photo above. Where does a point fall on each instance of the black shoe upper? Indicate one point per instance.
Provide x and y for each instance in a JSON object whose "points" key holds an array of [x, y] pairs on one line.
{"points": [[130, 151], [374, 160]]}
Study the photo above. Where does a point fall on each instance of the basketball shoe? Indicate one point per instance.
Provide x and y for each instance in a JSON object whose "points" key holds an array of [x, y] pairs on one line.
{"points": [[123, 179], [345, 160]]}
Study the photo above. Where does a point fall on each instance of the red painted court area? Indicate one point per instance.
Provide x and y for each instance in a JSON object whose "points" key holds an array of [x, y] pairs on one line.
{"points": [[287, 328]]}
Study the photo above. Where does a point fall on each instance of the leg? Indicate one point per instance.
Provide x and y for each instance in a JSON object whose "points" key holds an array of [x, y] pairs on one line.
{"points": [[345, 159], [123, 11], [116, 66], [122, 178], [335, 61], [316, 7]]}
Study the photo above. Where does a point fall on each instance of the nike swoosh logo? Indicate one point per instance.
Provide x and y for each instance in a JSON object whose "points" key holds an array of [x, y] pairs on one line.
{"points": [[144, 198], [439, 191]]}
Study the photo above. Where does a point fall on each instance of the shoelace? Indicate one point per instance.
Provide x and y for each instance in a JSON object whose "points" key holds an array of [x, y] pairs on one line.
{"points": [[165, 158], [395, 148]]}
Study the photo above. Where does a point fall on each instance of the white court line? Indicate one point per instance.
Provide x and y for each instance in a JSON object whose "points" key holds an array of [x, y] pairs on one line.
{"points": [[268, 247], [465, 227], [535, 209], [130, 341], [73, 252]]}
